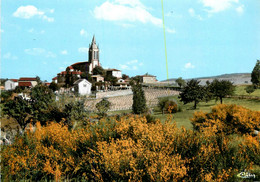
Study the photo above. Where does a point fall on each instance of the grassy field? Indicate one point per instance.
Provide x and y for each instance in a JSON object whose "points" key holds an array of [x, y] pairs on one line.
{"points": [[240, 90]]}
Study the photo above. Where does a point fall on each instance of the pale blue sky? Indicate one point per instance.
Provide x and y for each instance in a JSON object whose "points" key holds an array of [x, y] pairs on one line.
{"points": [[204, 37]]}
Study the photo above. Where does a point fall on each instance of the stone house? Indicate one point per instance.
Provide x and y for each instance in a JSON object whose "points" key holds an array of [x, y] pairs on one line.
{"points": [[11, 84], [82, 87]]}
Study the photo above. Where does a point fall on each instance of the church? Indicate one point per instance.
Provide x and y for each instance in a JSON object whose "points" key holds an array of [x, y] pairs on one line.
{"points": [[78, 68]]}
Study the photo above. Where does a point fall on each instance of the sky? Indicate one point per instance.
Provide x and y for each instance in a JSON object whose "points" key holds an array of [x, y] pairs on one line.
{"points": [[203, 37]]}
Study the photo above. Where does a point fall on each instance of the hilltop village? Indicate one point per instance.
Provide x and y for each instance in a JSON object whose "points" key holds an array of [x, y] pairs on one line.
{"points": [[84, 77]]}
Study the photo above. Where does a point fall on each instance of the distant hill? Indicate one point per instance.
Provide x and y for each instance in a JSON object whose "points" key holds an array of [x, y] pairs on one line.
{"points": [[236, 78]]}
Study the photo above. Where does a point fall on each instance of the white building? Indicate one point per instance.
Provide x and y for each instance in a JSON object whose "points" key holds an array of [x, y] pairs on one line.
{"points": [[11, 84], [114, 72], [82, 87]]}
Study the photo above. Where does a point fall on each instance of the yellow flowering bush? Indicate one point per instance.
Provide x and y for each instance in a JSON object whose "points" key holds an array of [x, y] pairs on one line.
{"points": [[126, 148], [228, 119]]}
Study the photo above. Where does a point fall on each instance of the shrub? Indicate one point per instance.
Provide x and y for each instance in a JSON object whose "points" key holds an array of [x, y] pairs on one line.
{"points": [[228, 119], [126, 148], [103, 106], [168, 105]]}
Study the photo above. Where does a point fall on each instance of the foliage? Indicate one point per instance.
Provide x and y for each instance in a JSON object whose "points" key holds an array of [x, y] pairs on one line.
{"points": [[20, 110], [111, 79], [168, 105], [69, 78], [98, 70], [255, 75], [103, 106], [42, 100], [54, 86], [87, 76], [139, 100], [208, 95], [6, 95], [250, 89], [192, 92], [221, 88], [126, 148], [124, 76], [228, 119], [180, 82]]}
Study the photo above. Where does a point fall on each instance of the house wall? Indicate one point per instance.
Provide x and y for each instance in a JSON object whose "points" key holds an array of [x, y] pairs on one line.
{"points": [[117, 74], [149, 79], [10, 85], [84, 88]]}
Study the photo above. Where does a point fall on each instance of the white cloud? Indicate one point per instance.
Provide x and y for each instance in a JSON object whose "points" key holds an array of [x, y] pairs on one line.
{"points": [[40, 52], [64, 52], [49, 19], [131, 65], [125, 10], [30, 11], [193, 14], [61, 68], [169, 30], [32, 30], [83, 50], [83, 33], [215, 6], [9, 56], [189, 66], [240, 9]]}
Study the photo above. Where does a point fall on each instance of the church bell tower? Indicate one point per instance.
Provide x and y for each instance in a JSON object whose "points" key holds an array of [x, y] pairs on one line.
{"points": [[93, 55]]}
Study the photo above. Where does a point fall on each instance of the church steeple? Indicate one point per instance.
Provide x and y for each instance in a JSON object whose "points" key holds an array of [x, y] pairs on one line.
{"points": [[93, 54]]}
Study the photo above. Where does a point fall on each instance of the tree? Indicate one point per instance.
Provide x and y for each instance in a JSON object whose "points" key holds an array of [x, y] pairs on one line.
{"points": [[98, 70], [20, 110], [111, 79], [221, 89], [250, 89], [255, 75], [54, 86], [103, 106], [124, 76], [139, 101], [207, 92], [87, 76], [42, 100], [180, 82], [192, 92]]}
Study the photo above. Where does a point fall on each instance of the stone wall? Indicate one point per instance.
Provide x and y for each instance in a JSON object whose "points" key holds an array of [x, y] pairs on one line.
{"points": [[124, 102]]}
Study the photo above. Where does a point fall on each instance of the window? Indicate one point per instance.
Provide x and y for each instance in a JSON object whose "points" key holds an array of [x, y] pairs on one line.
{"points": [[84, 85]]}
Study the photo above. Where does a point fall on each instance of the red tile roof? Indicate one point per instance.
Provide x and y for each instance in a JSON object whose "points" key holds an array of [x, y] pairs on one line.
{"points": [[14, 80], [55, 78], [27, 79], [24, 84], [79, 63]]}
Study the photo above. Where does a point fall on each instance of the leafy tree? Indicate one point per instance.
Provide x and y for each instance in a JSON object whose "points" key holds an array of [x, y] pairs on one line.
{"points": [[98, 70], [20, 110], [6, 95], [103, 106], [38, 80], [250, 89], [180, 82], [69, 78], [111, 79], [42, 100], [167, 104], [255, 75], [139, 100], [207, 92], [221, 89], [192, 92], [54, 86], [87, 76], [124, 76]]}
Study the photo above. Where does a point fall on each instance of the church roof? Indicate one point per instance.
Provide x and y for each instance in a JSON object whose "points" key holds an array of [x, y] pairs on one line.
{"points": [[79, 63], [93, 43]]}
